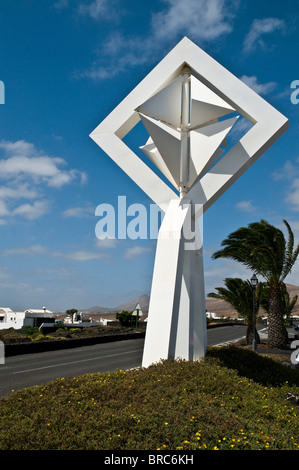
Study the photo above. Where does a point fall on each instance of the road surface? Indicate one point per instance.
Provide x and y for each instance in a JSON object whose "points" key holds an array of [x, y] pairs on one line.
{"points": [[27, 370]]}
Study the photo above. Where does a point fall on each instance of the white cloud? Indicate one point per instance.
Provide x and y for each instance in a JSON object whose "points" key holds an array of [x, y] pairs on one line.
{"points": [[293, 195], [25, 172], [106, 243], [25, 161], [259, 28], [100, 9], [20, 191], [35, 166], [3, 209], [32, 211], [136, 251], [61, 4], [201, 20], [245, 206], [78, 212], [98, 251], [83, 255], [118, 53], [29, 250], [241, 127], [220, 269], [259, 88], [75, 255], [289, 173]]}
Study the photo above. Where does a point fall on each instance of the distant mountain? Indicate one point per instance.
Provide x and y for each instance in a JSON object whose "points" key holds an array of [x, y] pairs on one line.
{"points": [[142, 300], [294, 290], [219, 307], [97, 309]]}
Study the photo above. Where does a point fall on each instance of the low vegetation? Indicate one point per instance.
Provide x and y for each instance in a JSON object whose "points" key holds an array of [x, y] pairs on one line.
{"points": [[235, 399], [28, 333]]}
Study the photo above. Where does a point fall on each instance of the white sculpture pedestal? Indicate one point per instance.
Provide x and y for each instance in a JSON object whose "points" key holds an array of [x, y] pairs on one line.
{"points": [[176, 325]]}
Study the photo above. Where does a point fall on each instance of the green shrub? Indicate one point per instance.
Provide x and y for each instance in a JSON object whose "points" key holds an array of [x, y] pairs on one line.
{"points": [[75, 331], [211, 404], [29, 330], [125, 318], [10, 335]]}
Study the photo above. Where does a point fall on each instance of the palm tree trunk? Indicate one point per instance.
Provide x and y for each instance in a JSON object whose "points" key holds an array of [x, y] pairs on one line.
{"points": [[249, 335], [277, 333]]}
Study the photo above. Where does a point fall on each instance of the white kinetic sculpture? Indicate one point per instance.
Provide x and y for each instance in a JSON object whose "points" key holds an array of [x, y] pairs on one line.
{"points": [[188, 104]]}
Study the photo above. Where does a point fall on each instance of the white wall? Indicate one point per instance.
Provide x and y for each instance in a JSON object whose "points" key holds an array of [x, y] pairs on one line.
{"points": [[13, 320]]}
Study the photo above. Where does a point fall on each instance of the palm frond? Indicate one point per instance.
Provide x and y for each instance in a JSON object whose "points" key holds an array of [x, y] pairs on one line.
{"points": [[290, 255]]}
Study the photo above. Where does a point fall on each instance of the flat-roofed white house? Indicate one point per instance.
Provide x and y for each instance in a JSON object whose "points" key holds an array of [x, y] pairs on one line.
{"points": [[30, 317]]}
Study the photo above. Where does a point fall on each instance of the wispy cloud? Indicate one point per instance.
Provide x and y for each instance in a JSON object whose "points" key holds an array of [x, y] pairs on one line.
{"points": [[28, 250], [290, 174], [83, 255], [106, 243], [220, 269], [96, 251], [78, 212], [61, 4], [201, 20], [101, 9], [245, 206], [136, 251], [117, 54], [288, 171], [32, 211], [293, 195], [3, 209], [259, 88], [259, 28]]}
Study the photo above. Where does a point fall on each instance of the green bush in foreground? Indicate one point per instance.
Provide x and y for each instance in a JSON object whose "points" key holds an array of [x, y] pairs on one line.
{"points": [[234, 400]]}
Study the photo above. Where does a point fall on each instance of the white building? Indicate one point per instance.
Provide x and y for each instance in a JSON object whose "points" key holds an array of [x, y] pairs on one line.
{"points": [[79, 320], [30, 317], [213, 316]]}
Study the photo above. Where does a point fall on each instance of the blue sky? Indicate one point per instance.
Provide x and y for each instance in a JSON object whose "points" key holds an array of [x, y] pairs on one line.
{"points": [[65, 65]]}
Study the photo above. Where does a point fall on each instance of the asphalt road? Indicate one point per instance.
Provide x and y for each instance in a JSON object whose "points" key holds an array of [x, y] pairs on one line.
{"points": [[27, 370]]}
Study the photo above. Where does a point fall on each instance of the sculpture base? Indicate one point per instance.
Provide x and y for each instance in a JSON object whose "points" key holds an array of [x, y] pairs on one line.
{"points": [[176, 325]]}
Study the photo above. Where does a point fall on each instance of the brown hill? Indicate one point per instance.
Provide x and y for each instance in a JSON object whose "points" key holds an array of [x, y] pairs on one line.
{"points": [[219, 307], [294, 290], [222, 308]]}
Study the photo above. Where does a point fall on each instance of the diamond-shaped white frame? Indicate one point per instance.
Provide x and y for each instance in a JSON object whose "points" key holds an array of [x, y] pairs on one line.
{"points": [[269, 125], [177, 320]]}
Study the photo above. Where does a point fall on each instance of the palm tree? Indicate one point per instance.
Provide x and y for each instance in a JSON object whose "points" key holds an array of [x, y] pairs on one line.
{"points": [[238, 293], [264, 249], [288, 304], [72, 312]]}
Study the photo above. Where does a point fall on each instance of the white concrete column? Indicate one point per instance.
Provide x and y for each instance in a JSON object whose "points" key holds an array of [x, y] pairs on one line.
{"points": [[184, 157]]}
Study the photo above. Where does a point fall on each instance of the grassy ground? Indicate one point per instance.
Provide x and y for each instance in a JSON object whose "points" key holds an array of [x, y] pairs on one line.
{"points": [[235, 399]]}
